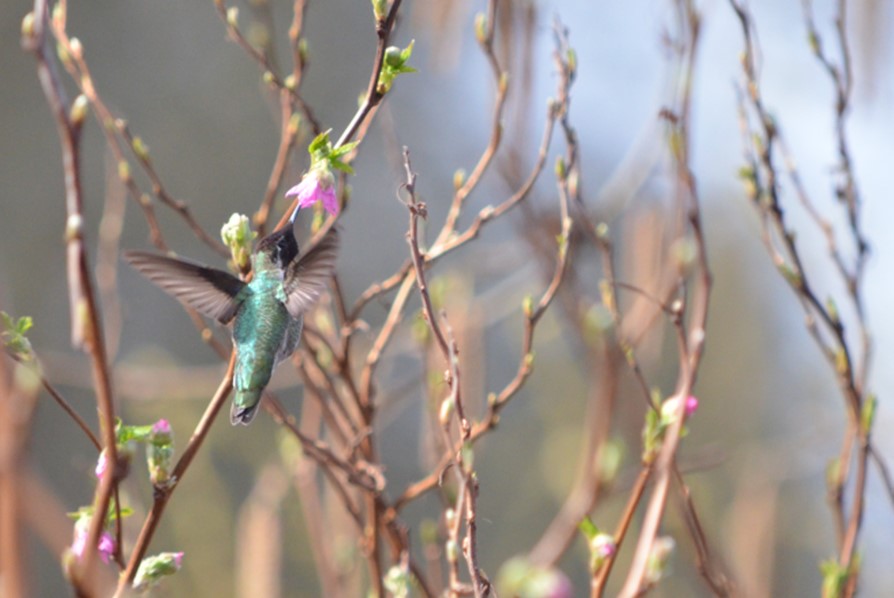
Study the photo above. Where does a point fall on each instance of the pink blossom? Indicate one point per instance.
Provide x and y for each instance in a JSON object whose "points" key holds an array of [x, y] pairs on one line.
{"points": [[691, 405], [604, 545], [80, 540], [178, 559], [106, 546], [558, 585], [317, 185], [101, 465], [162, 426], [106, 543]]}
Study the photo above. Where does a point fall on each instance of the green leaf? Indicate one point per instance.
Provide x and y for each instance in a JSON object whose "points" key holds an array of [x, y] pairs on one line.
{"points": [[834, 578], [408, 51], [343, 149], [24, 324], [342, 166], [13, 336], [867, 415], [319, 143], [588, 528], [135, 433]]}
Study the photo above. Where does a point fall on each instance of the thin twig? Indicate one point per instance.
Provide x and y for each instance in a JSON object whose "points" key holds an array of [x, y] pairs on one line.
{"points": [[85, 315]]}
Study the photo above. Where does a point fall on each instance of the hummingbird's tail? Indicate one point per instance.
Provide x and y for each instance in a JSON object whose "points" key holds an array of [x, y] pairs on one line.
{"points": [[245, 406]]}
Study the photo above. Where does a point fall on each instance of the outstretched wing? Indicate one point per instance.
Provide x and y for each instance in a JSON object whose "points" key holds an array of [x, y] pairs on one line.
{"points": [[306, 277], [209, 291]]}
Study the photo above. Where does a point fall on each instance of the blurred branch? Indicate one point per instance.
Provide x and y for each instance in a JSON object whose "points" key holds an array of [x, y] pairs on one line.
{"points": [[73, 61], [705, 562], [691, 333], [465, 507], [16, 411], [824, 321], [287, 140], [384, 29], [86, 319], [111, 225], [60, 400], [566, 171], [271, 77], [596, 427]]}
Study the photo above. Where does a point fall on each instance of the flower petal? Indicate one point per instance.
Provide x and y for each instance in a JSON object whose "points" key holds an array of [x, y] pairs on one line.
{"points": [[330, 201]]}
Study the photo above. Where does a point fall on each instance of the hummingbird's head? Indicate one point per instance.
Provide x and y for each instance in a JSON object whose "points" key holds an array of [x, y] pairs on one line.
{"points": [[279, 247]]}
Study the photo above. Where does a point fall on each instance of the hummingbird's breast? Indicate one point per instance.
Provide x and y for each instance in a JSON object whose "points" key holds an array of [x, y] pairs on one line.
{"points": [[260, 330]]}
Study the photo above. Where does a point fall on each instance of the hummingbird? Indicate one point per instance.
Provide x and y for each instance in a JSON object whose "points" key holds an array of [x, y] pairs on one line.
{"points": [[267, 313]]}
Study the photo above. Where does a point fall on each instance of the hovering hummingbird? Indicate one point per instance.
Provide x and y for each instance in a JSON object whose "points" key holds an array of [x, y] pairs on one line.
{"points": [[267, 313]]}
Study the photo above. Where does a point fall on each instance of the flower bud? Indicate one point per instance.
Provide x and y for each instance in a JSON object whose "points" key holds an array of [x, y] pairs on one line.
{"points": [[447, 407], [238, 236], [233, 16], [451, 550], [78, 112], [152, 569], [380, 9]]}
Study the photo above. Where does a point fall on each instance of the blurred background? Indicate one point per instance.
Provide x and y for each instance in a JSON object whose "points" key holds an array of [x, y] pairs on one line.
{"points": [[771, 416]]}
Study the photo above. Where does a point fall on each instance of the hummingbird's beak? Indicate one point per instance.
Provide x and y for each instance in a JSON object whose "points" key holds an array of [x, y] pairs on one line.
{"points": [[294, 214]]}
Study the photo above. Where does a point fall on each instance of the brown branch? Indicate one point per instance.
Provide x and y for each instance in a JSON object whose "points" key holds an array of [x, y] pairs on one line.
{"points": [[384, 29], [270, 75], [498, 401], [713, 575], [841, 355], [65, 405], [86, 319], [287, 139], [691, 334], [599, 580]]}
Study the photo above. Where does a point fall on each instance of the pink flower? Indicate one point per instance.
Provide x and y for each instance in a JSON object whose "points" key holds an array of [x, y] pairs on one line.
{"points": [[101, 465], [106, 545], [557, 585], [80, 540], [316, 185], [178, 559], [604, 545], [691, 405], [162, 426]]}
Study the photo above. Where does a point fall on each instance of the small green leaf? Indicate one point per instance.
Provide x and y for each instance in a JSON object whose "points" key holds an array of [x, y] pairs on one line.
{"points": [[588, 528], [832, 310], [834, 578], [571, 61], [339, 165], [133, 433], [13, 336], [380, 9], [560, 167], [467, 454], [481, 27], [528, 306], [867, 415], [319, 142], [394, 64], [408, 51], [140, 149], [343, 149]]}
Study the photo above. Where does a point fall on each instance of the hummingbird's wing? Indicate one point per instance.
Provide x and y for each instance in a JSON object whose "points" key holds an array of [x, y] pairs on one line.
{"points": [[207, 290], [306, 277]]}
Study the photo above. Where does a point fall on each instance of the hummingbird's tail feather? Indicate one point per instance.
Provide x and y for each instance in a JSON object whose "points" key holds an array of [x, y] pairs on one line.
{"points": [[245, 406]]}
